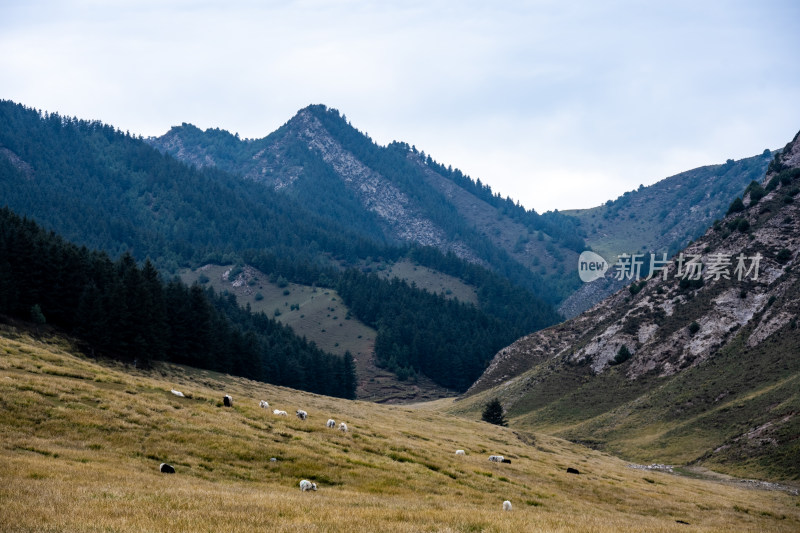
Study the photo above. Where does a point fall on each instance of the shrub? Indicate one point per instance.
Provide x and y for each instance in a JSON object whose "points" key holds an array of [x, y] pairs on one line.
{"points": [[690, 284], [234, 273], [737, 206], [635, 288], [36, 315], [773, 184], [783, 256], [756, 191], [694, 327], [623, 354], [259, 296], [203, 279], [743, 225]]}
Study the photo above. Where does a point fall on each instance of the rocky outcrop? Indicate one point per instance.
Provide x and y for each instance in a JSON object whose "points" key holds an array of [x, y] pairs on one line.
{"points": [[172, 142], [672, 324], [17, 162]]}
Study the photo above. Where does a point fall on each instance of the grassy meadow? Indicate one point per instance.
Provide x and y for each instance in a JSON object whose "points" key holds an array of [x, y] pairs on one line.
{"points": [[81, 441], [320, 315]]}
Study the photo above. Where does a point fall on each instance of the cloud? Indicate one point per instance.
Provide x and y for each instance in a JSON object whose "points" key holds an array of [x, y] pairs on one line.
{"points": [[555, 105]]}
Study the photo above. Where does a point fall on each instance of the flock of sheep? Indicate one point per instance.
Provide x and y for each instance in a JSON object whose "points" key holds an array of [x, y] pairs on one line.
{"points": [[302, 415], [305, 484]]}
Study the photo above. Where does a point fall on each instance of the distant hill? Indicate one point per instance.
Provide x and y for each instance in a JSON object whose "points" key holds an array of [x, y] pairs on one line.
{"points": [[663, 217], [682, 371]]}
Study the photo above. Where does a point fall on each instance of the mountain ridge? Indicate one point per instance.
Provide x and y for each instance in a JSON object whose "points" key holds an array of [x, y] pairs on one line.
{"points": [[462, 215], [709, 366]]}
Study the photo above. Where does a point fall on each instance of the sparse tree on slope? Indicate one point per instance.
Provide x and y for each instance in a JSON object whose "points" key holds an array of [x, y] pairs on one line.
{"points": [[493, 413]]}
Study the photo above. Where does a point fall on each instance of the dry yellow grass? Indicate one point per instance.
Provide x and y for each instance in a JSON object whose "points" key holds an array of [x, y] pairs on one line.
{"points": [[81, 441]]}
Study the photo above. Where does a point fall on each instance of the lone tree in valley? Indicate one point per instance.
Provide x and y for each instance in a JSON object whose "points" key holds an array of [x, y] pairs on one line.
{"points": [[493, 413]]}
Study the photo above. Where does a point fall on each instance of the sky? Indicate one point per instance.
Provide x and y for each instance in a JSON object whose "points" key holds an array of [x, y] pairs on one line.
{"points": [[559, 105]]}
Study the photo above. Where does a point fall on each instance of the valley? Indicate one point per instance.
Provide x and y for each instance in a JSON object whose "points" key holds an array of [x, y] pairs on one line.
{"points": [[65, 416]]}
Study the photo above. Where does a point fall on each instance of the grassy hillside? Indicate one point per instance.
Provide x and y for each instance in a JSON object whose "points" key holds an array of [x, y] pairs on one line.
{"points": [[81, 442], [667, 215], [320, 316], [431, 280], [710, 370]]}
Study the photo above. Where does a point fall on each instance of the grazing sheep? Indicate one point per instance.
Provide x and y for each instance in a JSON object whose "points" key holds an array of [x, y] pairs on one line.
{"points": [[177, 393], [331, 423], [302, 415], [227, 401], [506, 505], [343, 427], [496, 458], [307, 485], [280, 413], [460, 452], [264, 405], [571, 470], [166, 469], [506, 460], [273, 460]]}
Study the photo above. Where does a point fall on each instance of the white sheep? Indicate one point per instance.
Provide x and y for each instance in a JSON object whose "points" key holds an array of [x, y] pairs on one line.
{"points": [[263, 404], [307, 485], [496, 458], [506, 505], [343, 427], [460, 452], [302, 415], [177, 393], [331, 423], [278, 412]]}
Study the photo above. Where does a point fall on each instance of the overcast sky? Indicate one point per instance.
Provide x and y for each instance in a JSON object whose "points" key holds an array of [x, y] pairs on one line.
{"points": [[557, 104]]}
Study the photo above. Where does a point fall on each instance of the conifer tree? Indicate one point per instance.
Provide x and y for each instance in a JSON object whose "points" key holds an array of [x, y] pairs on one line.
{"points": [[493, 413]]}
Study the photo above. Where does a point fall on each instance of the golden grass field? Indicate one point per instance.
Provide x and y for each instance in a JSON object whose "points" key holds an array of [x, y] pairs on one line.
{"points": [[81, 442]]}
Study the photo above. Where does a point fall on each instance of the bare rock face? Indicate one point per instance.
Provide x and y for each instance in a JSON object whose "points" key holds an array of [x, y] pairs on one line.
{"points": [[172, 142], [17, 162], [375, 192]]}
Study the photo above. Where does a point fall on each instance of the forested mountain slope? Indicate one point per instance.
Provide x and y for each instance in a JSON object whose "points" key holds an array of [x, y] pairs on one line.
{"points": [[99, 187], [392, 193], [692, 366], [399, 194], [127, 312]]}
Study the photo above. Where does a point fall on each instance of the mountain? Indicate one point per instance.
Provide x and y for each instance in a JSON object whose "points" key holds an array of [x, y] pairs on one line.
{"points": [[82, 441], [104, 189], [686, 371], [398, 194], [117, 309], [663, 217], [393, 194], [316, 203]]}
